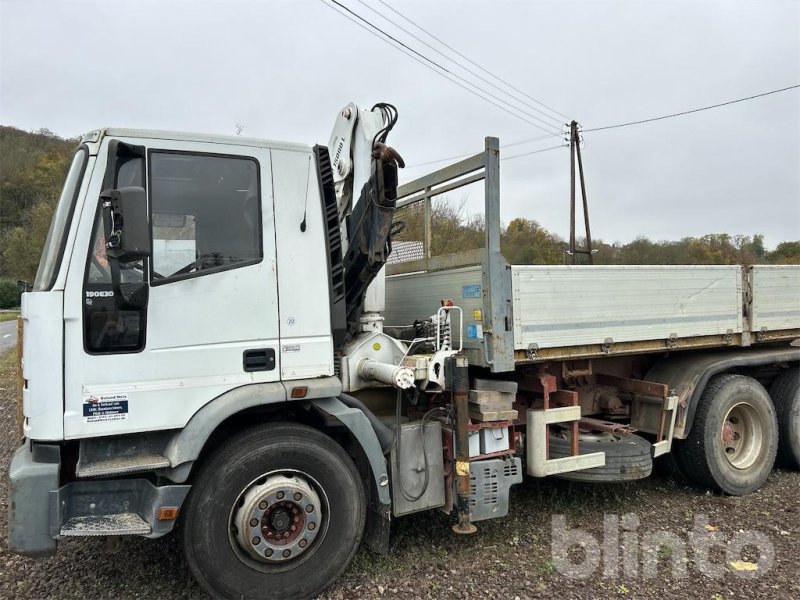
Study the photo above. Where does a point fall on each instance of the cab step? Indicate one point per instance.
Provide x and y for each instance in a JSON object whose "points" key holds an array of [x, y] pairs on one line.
{"points": [[102, 525], [118, 465], [137, 453]]}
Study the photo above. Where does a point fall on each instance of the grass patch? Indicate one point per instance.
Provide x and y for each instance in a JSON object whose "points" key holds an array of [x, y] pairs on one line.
{"points": [[9, 316], [8, 395], [8, 364], [546, 569]]}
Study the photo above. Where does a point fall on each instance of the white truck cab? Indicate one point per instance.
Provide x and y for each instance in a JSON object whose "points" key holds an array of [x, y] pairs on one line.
{"points": [[195, 284], [203, 314]]}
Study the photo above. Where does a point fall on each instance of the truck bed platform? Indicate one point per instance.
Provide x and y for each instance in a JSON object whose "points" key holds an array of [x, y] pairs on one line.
{"points": [[558, 312], [516, 314]]}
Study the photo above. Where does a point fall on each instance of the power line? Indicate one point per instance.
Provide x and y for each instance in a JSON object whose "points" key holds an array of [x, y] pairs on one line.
{"points": [[509, 145], [557, 122], [472, 62], [424, 64], [502, 158], [694, 110], [669, 116], [438, 160], [535, 152], [529, 140], [443, 71]]}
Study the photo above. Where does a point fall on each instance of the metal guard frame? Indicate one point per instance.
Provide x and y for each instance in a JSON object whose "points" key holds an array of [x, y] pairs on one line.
{"points": [[498, 332]]}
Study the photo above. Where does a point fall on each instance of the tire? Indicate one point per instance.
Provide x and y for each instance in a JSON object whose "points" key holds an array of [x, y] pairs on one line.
{"points": [[628, 457], [734, 437], [269, 467], [668, 466], [785, 393]]}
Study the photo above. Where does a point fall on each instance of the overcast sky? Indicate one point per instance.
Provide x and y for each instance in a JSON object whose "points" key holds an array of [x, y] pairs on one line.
{"points": [[284, 69]]}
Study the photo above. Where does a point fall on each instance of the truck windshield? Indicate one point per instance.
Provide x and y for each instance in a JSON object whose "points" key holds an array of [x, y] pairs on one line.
{"points": [[57, 236]]}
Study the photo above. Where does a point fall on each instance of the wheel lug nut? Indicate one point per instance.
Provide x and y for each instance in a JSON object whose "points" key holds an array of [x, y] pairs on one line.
{"points": [[287, 553], [280, 495], [262, 505], [256, 541], [294, 528], [297, 519], [298, 496], [312, 526], [302, 543], [268, 552], [253, 522], [310, 508]]}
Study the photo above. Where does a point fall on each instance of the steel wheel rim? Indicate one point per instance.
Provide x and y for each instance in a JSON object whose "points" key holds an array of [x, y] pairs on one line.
{"points": [[742, 435], [278, 490]]}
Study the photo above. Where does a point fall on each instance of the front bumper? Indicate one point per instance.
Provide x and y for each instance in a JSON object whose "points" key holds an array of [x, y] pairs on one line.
{"points": [[33, 474]]}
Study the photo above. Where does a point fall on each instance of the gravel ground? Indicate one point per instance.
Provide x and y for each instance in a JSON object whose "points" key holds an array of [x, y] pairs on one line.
{"points": [[507, 558]]}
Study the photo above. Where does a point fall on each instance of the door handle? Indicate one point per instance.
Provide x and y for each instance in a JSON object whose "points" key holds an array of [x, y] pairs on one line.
{"points": [[262, 359]]}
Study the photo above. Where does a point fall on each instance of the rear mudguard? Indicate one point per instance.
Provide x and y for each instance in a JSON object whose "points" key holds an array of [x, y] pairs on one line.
{"points": [[688, 374]]}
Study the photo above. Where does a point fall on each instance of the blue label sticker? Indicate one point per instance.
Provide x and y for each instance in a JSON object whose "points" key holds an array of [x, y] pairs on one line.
{"points": [[105, 407], [472, 332], [472, 290]]}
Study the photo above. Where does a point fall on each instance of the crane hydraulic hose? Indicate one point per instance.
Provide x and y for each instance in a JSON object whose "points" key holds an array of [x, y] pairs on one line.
{"points": [[384, 434]]}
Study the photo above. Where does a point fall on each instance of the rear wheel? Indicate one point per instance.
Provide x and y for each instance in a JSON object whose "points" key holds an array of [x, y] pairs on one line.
{"points": [[277, 512], [785, 392], [734, 437], [669, 466]]}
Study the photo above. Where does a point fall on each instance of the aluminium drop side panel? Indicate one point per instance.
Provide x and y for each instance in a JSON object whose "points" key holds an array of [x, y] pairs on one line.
{"points": [[776, 297], [559, 306], [417, 296]]}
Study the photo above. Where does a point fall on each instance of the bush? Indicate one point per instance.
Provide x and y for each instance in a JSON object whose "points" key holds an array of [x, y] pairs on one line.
{"points": [[9, 293]]}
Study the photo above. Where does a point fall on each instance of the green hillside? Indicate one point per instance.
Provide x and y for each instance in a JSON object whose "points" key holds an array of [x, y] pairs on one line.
{"points": [[32, 169]]}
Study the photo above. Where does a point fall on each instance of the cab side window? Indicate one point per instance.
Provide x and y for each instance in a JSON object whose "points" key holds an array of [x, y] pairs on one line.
{"points": [[206, 214], [107, 328]]}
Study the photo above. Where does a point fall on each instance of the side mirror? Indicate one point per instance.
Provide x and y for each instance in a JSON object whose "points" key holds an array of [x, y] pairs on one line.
{"points": [[125, 213], [133, 295]]}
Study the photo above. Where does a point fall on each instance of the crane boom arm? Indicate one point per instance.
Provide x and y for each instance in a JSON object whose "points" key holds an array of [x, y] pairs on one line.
{"points": [[362, 161]]}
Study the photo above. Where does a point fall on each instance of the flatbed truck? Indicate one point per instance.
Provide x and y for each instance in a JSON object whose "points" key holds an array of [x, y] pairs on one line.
{"points": [[221, 341]]}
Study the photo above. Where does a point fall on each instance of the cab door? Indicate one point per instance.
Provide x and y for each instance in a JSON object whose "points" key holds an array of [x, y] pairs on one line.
{"points": [[199, 316]]}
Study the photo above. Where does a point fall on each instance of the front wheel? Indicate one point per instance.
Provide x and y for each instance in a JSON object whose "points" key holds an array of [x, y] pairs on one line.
{"points": [[276, 512], [734, 437]]}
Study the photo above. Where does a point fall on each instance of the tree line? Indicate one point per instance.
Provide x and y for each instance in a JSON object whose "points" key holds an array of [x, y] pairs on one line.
{"points": [[525, 242], [33, 166]]}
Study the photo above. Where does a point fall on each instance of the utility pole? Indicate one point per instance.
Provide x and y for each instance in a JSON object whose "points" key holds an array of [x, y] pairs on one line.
{"points": [[575, 152]]}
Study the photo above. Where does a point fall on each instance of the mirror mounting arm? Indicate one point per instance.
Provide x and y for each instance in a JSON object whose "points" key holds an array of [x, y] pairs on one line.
{"points": [[127, 240]]}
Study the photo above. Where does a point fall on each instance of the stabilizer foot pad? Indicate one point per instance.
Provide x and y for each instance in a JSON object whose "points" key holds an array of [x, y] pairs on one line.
{"points": [[464, 528]]}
